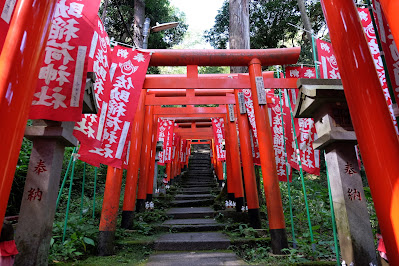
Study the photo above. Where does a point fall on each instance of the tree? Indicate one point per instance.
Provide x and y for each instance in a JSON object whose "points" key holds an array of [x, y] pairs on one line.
{"points": [[120, 23], [269, 25]]}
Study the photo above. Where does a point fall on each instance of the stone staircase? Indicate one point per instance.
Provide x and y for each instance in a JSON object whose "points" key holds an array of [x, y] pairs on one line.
{"points": [[195, 232]]}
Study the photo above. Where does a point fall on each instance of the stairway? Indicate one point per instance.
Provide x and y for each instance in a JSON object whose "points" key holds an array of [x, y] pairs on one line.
{"points": [[195, 232]]}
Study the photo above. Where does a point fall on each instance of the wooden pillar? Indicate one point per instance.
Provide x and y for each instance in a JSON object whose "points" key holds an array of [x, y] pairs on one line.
{"points": [[371, 120], [129, 199], [235, 158], [251, 190], [145, 160], [109, 211], [20, 62], [267, 160]]}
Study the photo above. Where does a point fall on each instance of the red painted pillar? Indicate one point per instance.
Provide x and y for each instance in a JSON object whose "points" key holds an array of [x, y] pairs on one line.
{"points": [[145, 159], [235, 163], [375, 132], [268, 164], [390, 8], [168, 171], [109, 211], [229, 174], [251, 190], [129, 200], [20, 62], [150, 175]]}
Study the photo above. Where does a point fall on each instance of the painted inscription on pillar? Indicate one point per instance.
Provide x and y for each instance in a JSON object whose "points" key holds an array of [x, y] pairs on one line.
{"points": [[349, 169], [35, 194], [40, 167], [354, 194]]}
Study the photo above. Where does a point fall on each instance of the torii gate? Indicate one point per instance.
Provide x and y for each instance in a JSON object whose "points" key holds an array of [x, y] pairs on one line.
{"points": [[378, 141], [218, 89]]}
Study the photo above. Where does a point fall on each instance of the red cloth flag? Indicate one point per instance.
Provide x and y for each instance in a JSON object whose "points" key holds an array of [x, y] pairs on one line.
{"points": [[161, 134], [89, 130], [169, 141], [62, 77], [329, 66], [183, 150], [219, 135], [304, 128], [249, 104], [7, 8], [367, 24], [388, 46], [278, 140], [128, 72]]}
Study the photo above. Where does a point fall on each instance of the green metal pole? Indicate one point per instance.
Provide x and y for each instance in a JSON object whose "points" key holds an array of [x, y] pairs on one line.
{"points": [[65, 178], [69, 199], [301, 174], [294, 244], [332, 215], [94, 193], [83, 190], [315, 56]]}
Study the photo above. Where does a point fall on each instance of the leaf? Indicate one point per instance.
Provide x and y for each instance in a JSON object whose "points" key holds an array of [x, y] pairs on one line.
{"points": [[88, 241], [316, 227]]}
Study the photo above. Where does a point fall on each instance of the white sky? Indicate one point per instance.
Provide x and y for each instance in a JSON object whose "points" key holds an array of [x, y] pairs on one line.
{"points": [[200, 15]]}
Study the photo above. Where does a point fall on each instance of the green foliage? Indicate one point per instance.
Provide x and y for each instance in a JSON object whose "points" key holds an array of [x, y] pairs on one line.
{"points": [[270, 25], [157, 10], [79, 242]]}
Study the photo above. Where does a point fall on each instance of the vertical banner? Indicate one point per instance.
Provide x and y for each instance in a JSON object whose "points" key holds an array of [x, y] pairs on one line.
{"points": [[329, 66], [278, 141], [161, 136], [388, 46], [183, 150], [249, 104], [89, 130], [169, 141], [127, 71], [369, 32], [218, 132], [7, 8], [62, 77], [304, 128]]}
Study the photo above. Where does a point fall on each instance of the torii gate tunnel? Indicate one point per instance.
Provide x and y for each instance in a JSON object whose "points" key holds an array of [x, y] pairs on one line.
{"points": [[19, 67]]}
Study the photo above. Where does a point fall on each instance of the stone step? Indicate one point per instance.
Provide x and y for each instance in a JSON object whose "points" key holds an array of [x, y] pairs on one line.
{"points": [[193, 196], [194, 258], [199, 184], [193, 225], [192, 241], [195, 190], [192, 203], [190, 212]]}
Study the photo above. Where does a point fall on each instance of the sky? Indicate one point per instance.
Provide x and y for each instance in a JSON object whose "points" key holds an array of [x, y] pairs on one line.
{"points": [[200, 16]]}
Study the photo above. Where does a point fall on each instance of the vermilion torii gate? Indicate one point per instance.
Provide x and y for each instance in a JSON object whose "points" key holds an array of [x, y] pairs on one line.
{"points": [[195, 89], [24, 47]]}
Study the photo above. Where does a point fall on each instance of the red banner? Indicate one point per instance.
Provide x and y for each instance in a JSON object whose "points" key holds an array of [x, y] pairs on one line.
{"points": [[389, 47], [7, 8], [127, 74], [169, 141], [161, 133], [89, 130], [218, 132], [278, 141], [304, 128], [183, 151], [62, 77], [329, 66], [368, 28], [249, 105]]}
